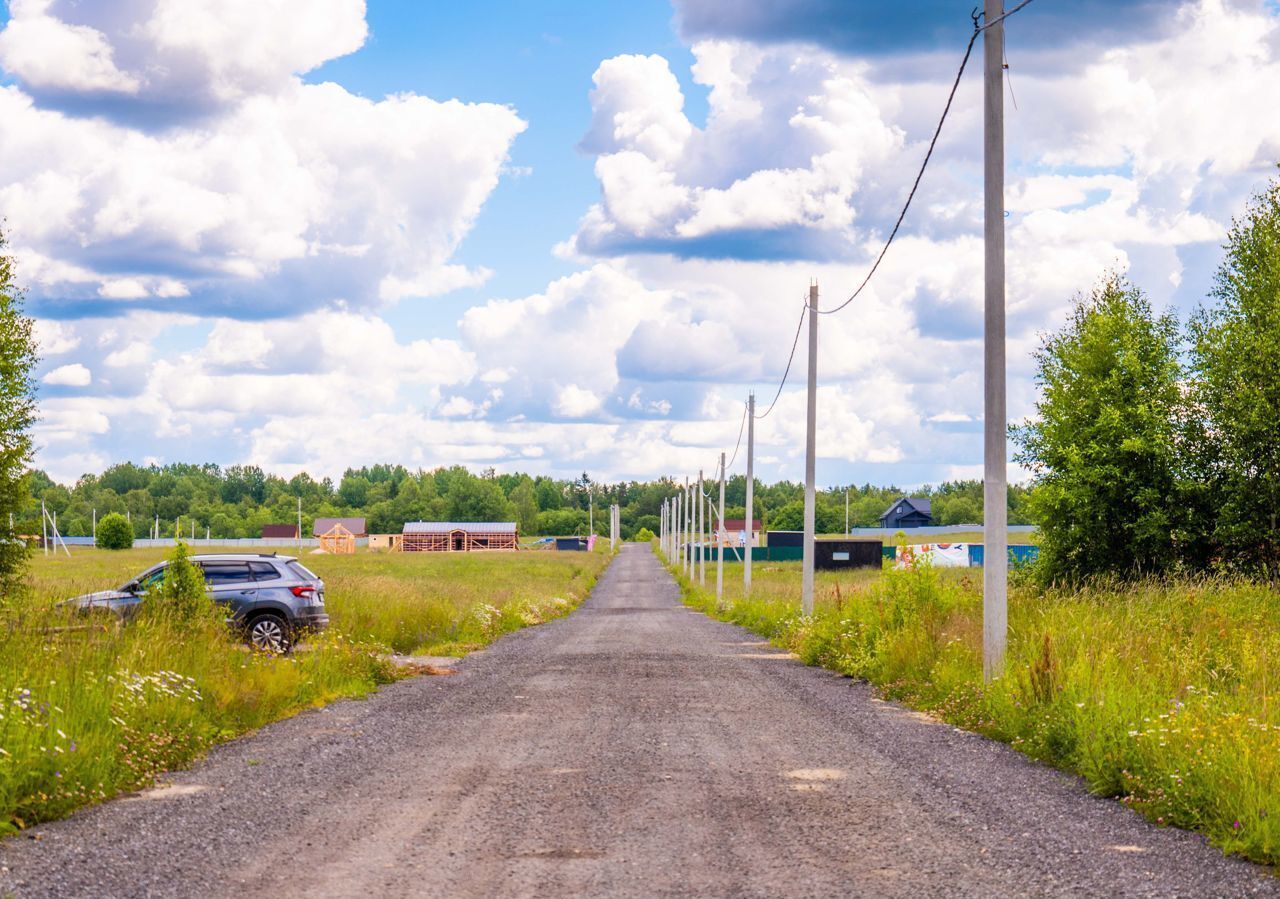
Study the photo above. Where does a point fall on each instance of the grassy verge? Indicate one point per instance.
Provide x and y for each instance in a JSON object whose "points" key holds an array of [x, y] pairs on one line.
{"points": [[1158, 694], [88, 710]]}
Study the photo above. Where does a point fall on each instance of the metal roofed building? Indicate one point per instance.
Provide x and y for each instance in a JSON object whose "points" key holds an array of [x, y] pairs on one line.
{"points": [[459, 536]]}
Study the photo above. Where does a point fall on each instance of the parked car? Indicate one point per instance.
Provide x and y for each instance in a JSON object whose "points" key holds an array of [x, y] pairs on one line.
{"points": [[273, 600]]}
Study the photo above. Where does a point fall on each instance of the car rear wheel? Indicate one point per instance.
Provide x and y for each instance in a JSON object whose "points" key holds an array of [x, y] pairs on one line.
{"points": [[269, 633]]}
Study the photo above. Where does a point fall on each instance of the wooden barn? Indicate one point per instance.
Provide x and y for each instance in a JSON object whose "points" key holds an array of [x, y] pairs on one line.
{"points": [[459, 536], [908, 512]]}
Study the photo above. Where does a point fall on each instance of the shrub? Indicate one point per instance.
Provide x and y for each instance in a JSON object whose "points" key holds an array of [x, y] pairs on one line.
{"points": [[181, 597], [114, 532], [644, 535]]}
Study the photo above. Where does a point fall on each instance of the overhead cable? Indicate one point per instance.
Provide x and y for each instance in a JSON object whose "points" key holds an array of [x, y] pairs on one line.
{"points": [[795, 343], [933, 143]]}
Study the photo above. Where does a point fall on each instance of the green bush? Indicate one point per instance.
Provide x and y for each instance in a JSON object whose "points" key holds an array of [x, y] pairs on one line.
{"points": [[114, 532], [182, 597], [644, 535]]}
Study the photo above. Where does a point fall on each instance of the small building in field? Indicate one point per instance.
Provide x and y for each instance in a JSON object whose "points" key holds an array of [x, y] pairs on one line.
{"points": [[735, 532], [385, 542], [355, 526], [908, 512], [279, 532], [338, 541], [459, 536]]}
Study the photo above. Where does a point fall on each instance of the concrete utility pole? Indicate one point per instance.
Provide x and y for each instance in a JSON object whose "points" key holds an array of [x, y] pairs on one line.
{"points": [[44, 528], [846, 511], [95, 526], [702, 530], [299, 524], [687, 531], [720, 540], [810, 456], [995, 574], [751, 475]]}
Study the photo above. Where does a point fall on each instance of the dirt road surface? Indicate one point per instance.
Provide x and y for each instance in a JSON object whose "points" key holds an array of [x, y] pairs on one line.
{"points": [[634, 748]]}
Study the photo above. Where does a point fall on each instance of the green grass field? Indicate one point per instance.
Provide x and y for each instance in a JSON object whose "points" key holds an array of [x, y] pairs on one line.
{"points": [[88, 710], [1159, 693]]}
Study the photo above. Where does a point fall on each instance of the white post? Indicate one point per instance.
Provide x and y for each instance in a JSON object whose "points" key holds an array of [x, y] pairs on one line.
{"points": [[95, 525], [44, 528], [299, 524], [686, 531], [720, 540], [995, 575], [810, 457], [702, 530], [846, 512], [751, 486]]}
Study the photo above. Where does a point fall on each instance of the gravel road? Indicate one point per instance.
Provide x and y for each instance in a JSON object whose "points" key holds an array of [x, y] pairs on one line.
{"points": [[634, 748]]}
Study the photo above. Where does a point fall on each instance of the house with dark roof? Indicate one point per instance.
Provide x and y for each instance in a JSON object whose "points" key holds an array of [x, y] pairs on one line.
{"points": [[356, 526], [908, 512], [279, 532]]}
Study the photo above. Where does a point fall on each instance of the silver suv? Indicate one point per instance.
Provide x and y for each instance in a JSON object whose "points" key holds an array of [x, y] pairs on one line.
{"points": [[273, 600]]}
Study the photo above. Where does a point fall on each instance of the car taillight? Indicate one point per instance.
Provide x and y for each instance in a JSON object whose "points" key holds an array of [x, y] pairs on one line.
{"points": [[304, 591]]}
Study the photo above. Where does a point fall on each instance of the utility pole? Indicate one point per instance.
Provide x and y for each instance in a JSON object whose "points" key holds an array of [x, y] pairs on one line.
{"points": [[810, 456], [687, 531], [720, 540], [995, 573], [749, 540], [846, 512], [95, 526], [702, 531], [299, 524], [44, 528]]}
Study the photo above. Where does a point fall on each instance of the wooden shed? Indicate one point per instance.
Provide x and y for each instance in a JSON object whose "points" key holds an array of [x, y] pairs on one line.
{"points": [[459, 536], [338, 541]]}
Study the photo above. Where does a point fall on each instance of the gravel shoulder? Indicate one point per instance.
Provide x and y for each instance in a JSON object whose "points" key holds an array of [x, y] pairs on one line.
{"points": [[633, 748]]}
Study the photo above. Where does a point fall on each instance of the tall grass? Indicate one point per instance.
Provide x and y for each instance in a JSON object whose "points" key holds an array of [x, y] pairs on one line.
{"points": [[89, 708], [1156, 693]]}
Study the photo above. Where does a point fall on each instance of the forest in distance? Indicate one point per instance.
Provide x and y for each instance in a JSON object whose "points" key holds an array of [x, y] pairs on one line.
{"points": [[238, 500]]}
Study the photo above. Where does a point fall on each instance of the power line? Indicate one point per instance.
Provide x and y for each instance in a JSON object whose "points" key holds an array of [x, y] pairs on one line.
{"points": [[795, 343], [968, 51], [998, 19], [738, 445]]}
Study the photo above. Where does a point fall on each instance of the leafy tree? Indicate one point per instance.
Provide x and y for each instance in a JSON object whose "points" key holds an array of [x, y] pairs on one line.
{"points": [[1236, 350], [524, 501], [644, 535], [17, 414], [114, 532], [1104, 445]]}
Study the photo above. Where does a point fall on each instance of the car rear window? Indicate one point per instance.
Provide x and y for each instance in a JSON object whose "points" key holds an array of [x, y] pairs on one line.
{"points": [[216, 573], [264, 571], [301, 571]]}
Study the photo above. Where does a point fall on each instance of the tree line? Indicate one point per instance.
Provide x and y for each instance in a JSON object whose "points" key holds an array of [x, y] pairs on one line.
{"points": [[237, 501]]}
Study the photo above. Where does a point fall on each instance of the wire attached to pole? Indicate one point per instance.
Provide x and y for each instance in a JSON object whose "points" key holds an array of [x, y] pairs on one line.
{"points": [[978, 29], [794, 344]]}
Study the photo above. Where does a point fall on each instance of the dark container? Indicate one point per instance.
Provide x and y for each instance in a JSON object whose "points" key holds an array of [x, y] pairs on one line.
{"points": [[829, 555], [571, 544], [784, 538]]}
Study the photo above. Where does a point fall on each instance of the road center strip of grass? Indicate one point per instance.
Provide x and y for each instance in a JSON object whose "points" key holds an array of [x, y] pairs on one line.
{"points": [[89, 709], [1158, 693]]}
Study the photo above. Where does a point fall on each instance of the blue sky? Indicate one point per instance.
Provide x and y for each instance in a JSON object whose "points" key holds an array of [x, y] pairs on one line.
{"points": [[567, 236]]}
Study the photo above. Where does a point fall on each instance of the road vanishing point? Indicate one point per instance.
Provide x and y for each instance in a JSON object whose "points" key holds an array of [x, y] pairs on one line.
{"points": [[633, 748]]}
